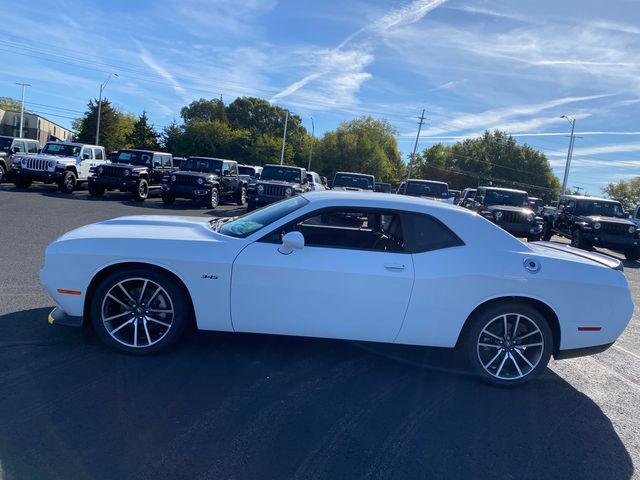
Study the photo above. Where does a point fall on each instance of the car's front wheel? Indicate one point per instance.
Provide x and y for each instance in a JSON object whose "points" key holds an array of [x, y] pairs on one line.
{"points": [[22, 183], [3, 173], [96, 190], [139, 311], [546, 232], [241, 196], [213, 200], [508, 344], [68, 182], [577, 240], [632, 254], [141, 190], [168, 198]]}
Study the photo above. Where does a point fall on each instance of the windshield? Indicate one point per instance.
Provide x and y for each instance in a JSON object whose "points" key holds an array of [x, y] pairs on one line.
{"points": [[604, 209], [501, 197], [354, 181], [281, 173], [427, 189], [5, 144], [134, 158], [246, 171], [207, 165], [61, 149], [249, 223]]}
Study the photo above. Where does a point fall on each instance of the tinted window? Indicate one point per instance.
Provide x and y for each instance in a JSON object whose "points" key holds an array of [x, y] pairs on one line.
{"points": [[166, 161], [249, 223], [5, 144], [20, 147], [247, 171], [606, 209], [32, 147], [281, 173], [424, 233], [134, 158], [87, 154], [207, 165], [97, 152], [427, 189], [505, 197], [353, 181], [61, 149]]}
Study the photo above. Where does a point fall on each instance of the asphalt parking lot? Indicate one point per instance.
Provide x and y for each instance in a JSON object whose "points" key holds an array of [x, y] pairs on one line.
{"points": [[247, 406]]}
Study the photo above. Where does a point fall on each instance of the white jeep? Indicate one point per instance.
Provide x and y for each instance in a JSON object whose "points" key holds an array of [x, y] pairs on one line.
{"points": [[63, 163]]}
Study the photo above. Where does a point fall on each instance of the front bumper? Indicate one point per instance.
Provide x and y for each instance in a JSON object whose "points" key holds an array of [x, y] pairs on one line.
{"points": [[258, 199], [187, 191], [613, 242], [521, 229], [58, 317], [36, 175], [115, 183]]}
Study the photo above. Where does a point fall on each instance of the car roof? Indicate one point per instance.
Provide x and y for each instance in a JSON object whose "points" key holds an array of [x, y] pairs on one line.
{"points": [[283, 166], [245, 165], [582, 197], [19, 138], [424, 180], [503, 189], [142, 150], [355, 173], [212, 158], [74, 144]]}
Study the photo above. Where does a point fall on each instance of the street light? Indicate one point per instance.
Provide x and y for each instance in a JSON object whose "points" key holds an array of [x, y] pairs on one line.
{"points": [[102, 87], [284, 136], [572, 121], [313, 129], [24, 86]]}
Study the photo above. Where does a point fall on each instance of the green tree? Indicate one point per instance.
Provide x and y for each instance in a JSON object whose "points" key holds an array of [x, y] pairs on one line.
{"points": [[114, 126], [170, 137], [8, 103], [204, 109], [143, 135], [627, 192], [365, 145]]}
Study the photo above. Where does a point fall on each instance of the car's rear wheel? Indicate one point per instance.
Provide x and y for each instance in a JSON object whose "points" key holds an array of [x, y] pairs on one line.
{"points": [[139, 311], [241, 196], [546, 232], [508, 344]]}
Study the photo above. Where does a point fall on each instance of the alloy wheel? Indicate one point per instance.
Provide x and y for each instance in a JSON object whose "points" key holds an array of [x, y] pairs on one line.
{"points": [[510, 346], [137, 312]]}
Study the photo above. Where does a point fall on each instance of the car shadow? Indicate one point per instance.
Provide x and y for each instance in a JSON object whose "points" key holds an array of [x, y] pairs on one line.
{"points": [[223, 405]]}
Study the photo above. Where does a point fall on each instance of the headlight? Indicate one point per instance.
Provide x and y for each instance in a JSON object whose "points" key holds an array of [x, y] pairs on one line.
{"points": [[52, 164], [498, 215], [200, 181], [173, 178], [260, 189], [100, 170], [597, 225], [632, 229], [126, 173], [530, 217], [24, 161], [288, 192]]}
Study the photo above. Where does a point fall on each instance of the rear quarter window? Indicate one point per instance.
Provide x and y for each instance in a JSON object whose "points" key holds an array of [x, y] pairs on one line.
{"points": [[424, 233]]}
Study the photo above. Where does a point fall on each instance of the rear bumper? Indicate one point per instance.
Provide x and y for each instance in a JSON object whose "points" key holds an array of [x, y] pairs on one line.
{"points": [[58, 317], [581, 352]]}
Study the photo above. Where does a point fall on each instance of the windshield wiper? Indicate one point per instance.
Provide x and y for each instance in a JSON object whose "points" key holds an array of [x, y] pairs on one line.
{"points": [[216, 223]]}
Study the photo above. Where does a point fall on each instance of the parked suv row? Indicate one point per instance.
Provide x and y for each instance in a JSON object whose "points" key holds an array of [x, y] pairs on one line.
{"points": [[11, 148]]}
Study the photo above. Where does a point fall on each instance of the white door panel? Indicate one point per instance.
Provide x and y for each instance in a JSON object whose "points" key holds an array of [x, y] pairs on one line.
{"points": [[321, 292]]}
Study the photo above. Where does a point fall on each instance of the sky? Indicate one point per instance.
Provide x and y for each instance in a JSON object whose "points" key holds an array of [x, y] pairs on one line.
{"points": [[472, 65]]}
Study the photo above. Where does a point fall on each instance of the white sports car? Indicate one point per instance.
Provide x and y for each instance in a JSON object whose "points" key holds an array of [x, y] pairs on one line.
{"points": [[388, 268]]}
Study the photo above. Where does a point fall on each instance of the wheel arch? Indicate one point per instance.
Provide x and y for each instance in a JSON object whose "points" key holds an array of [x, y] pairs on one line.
{"points": [[4, 164], [108, 269], [545, 310], [72, 168]]}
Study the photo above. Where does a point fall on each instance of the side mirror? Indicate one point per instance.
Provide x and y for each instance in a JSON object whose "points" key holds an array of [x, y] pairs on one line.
{"points": [[257, 176], [15, 149], [567, 209], [290, 242]]}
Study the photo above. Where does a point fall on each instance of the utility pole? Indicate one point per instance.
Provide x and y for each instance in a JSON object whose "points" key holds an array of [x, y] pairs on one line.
{"points": [[24, 85], [567, 166], [415, 146], [284, 136], [102, 87], [313, 138], [578, 189]]}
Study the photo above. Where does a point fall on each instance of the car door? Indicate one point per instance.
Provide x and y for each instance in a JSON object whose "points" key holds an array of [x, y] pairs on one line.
{"points": [[85, 162], [363, 285], [98, 157]]}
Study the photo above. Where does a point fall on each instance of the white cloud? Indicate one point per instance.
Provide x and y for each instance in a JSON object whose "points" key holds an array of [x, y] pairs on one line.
{"points": [[148, 60]]}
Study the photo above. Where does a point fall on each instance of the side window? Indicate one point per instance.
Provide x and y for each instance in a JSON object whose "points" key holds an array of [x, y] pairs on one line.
{"points": [[32, 147], [225, 168], [167, 161], [424, 233], [572, 204], [97, 153], [87, 154], [346, 228], [20, 146], [233, 168], [157, 161], [638, 213]]}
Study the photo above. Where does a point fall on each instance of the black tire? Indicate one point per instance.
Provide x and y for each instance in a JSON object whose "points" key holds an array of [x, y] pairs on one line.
{"points": [[251, 206], [213, 200], [577, 240], [96, 190], [162, 336], [535, 238], [632, 254], [22, 183], [3, 173], [499, 368], [141, 190], [546, 232], [168, 198], [241, 196], [68, 182]]}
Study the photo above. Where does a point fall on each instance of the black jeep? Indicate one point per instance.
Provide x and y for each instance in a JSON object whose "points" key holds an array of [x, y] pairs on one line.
{"points": [[134, 171], [432, 189], [276, 183], [207, 181], [593, 222], [508, 209], [357, 182]]}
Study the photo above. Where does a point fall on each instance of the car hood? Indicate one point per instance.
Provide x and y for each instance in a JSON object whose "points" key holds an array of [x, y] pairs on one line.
{"points": [[566, 252], [57, 158], [279, 182], [158, 227], [127, 166], [352, 189], [509, 208], [598, 218], [188, 173]]}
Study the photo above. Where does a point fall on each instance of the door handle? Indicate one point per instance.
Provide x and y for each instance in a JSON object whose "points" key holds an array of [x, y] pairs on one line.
{"points": [[394, 267]]}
